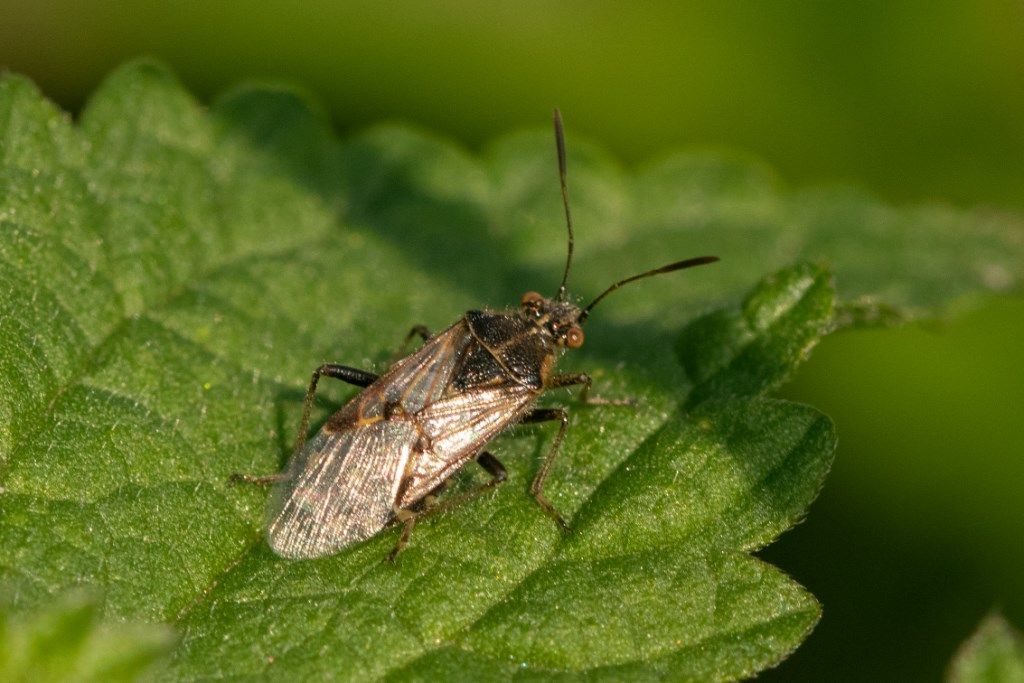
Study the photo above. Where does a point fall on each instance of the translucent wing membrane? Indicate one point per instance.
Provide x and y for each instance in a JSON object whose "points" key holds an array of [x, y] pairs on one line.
{"points": [[340, 489], [421, 378], [460, 425]]}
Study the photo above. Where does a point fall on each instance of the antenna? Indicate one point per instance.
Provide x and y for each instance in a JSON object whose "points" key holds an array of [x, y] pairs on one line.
{"points": [[560, 145], [678, 265]]}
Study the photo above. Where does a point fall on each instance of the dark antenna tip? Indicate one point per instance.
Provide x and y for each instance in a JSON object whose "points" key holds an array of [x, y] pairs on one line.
{"points": [[560, 146], [678, 265]]}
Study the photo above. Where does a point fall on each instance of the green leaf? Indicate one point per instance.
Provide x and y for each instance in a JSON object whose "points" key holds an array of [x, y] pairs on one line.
{"points": [[65, 641], [755, 349], [172, 275], [993, 654]]}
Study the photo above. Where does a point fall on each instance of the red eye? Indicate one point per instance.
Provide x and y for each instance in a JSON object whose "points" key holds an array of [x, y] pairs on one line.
{"points": [[574, 337], [530, 300]]}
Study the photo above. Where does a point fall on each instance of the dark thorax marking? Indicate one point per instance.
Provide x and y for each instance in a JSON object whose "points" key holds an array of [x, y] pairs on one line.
{"points": [[512, 343]]}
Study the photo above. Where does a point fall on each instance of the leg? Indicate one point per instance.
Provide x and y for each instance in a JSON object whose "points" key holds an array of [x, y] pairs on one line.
{"points": [[583, 378], [537, 487], [492, 466], [263, 480], [420, 331], [360, 378], [408, 518]]}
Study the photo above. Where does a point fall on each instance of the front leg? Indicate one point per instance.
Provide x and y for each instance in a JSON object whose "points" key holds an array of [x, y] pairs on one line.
{"points": [[572, 379], [537, 487]]}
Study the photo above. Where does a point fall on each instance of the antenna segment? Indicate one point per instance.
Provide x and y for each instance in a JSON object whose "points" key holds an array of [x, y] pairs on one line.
{"points": [[560, 145]]}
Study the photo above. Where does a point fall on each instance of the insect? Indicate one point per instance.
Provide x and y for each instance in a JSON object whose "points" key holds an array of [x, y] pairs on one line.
{"points": [[385, 456]]}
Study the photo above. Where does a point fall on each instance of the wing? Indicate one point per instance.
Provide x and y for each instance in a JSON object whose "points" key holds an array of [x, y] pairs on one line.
{"points": [[457, 427], [420, 378], [439, 406], [340, 489]]}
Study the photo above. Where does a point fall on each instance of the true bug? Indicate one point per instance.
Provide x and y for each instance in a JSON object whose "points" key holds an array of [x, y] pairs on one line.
{"points": [[385, 455]]}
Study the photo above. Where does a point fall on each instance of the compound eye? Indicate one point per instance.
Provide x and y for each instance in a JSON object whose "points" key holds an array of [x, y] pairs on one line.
{"points": [[574, 337], [531, 300]]}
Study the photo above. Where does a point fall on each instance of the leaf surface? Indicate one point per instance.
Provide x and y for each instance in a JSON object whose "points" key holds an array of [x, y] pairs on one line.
{"points": [[65, 641]]}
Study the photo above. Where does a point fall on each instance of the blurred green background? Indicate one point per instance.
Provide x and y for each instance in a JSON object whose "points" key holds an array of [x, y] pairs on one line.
{"points": [[918, 532]]}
